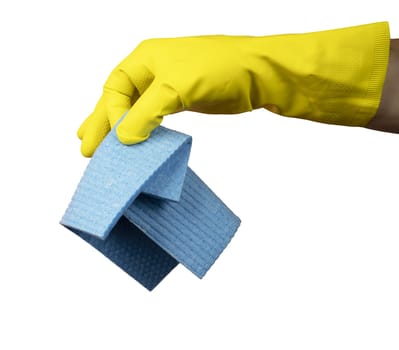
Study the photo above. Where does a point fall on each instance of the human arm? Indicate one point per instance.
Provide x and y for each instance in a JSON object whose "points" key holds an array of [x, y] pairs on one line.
{"points": [[387, 116]]}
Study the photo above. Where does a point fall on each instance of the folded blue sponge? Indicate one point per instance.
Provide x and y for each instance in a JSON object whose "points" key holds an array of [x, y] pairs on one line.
{"points": [[144, 209]]}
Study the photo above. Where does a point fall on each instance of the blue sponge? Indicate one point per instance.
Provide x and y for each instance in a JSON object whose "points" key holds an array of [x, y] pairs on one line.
{"points": [[143, 208], [129, 248]]}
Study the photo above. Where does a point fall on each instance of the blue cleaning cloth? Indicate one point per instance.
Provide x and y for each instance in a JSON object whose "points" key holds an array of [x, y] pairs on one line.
{"points": [[129, 248], [143, 208]]}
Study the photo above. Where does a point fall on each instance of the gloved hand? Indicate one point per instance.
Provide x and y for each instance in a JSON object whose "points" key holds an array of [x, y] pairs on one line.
{"points": [[333, 76]]}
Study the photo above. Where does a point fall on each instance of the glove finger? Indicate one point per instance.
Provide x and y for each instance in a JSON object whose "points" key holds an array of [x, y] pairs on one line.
{"points": [[118, 104], [96, 130], [120, 94], [82, 128], [99, 112], [147, 113]]}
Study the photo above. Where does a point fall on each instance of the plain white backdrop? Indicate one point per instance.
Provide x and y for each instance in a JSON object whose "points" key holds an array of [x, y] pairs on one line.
{"points": [[315, 263]]}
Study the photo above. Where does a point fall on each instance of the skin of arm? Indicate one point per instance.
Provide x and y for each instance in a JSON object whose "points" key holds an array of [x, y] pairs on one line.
{"points": [[387, 116]]}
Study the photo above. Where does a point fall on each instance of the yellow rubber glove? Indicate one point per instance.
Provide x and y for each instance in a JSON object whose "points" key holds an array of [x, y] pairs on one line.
{"points": [[333, 76]]}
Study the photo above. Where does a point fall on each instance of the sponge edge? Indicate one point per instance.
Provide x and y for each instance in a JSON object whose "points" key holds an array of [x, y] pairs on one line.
{"points": [[144, 209]]}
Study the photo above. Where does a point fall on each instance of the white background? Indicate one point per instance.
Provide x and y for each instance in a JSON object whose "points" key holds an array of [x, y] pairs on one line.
{"points": [[315, 263]]}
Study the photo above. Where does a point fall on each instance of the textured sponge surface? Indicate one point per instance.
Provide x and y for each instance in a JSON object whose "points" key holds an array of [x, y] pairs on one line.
{"points": [[194, 230], [117, 174], [135, 253]]}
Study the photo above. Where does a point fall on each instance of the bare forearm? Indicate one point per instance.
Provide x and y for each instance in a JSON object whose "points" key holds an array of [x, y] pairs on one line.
{"points": [[387, 116]]}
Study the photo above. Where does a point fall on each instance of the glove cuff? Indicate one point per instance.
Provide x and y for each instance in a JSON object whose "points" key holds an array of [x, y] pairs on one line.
{"points": [[333, 76], [379, 55]]}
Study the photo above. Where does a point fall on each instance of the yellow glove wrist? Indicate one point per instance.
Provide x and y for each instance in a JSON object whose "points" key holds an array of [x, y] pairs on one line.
{"points": [[334, 76]]}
